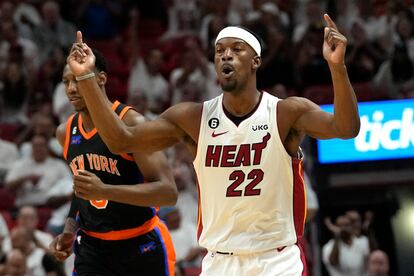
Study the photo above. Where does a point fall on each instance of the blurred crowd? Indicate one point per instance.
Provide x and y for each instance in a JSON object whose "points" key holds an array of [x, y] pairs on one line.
{"points": [[160, 53]]}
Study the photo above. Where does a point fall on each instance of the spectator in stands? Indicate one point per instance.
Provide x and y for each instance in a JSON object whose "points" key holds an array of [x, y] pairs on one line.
{"points": [[140, 103], [185, 181], [378, 264], [277, 64], [183, 19], [362, 234], [60, 196], [145, 79], [364, 55], [346, 12], [54, 30], [404, 31], [8, 154], [16, 264], [62, 108], [218, 16], [31, 177], [396, 74], [311, 17], [42, 125], [183, 236], [14, 94], [195, 80], [344, 255], [28, 218], [50, 74], [11, 38], [24, 15], [4, 235], [38, 262], [356, 223], [309, 62]]}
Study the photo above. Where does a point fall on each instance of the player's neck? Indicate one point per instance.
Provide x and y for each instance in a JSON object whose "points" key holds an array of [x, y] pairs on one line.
{"points": [[240, 104], [87, 122]]}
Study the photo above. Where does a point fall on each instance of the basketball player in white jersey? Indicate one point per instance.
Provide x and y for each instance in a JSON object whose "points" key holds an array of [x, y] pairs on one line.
{"points": [[245, 145]]}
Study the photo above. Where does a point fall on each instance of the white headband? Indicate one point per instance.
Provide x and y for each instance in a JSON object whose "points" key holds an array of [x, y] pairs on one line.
{"points": [[241, 33]]}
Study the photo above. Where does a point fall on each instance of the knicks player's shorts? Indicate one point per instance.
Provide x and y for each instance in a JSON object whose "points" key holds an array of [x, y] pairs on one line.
{"points": [[282, 262], [148, 254]]}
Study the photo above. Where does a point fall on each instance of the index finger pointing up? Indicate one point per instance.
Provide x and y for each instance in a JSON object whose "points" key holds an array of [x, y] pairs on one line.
{"points": [[329, 21], [79, 37]]}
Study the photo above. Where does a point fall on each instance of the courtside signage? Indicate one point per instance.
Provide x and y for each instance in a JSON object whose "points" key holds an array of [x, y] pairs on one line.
{"points": [[387, 132]]}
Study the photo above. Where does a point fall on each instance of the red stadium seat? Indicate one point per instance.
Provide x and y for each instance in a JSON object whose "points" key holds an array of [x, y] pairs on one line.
{"points": [[7, 200], [9, 131], [44, 214], [116, 89], [8, 219], [366, 92]]}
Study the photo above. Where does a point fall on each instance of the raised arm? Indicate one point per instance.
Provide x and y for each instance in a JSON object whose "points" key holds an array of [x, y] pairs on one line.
{"points": [[310, 119], [149, 136]]}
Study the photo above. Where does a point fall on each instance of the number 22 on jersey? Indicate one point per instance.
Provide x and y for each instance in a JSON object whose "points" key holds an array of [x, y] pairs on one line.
{"points": [[255, 176]]}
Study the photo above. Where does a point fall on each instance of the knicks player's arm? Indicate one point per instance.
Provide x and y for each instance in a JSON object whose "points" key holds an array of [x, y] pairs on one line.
{"points": [[159, 188], [61, 246]]}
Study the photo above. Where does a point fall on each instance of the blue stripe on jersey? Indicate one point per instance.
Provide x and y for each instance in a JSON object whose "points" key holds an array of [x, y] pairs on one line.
{"points": [[154, 211], [167, 272]]}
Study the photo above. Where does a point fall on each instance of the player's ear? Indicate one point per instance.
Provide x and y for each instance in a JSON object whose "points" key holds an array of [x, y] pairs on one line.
{"points": [[256, 62], [102, 78]]}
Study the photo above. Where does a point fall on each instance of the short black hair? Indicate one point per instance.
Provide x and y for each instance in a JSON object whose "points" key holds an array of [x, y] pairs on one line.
{"points": [[100, 62]]}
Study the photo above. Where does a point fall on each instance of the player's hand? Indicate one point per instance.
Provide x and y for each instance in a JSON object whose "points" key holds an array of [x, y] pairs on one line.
{"points": [[61, 246], [334, 44], [81, 59], [88, 186]]}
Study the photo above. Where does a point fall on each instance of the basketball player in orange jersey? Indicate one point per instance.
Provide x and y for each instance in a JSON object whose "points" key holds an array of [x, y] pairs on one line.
{"points": [[117, 228], [245, 145]]}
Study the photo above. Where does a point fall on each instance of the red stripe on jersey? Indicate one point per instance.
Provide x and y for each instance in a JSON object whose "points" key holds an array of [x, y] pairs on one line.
{"points": [[199, 219], [299, 197], [302, 257]]}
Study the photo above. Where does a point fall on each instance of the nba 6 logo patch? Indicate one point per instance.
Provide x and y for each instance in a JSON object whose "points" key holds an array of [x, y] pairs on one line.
{"points": [[213, 123], [76, 140], [74, 130]]}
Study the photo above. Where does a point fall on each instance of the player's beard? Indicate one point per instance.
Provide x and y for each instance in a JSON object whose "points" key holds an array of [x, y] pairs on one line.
{"points": [[229, 86]]}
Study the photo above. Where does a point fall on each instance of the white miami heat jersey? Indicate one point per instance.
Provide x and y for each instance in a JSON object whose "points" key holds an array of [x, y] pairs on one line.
{"points": [[251, 192]]}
